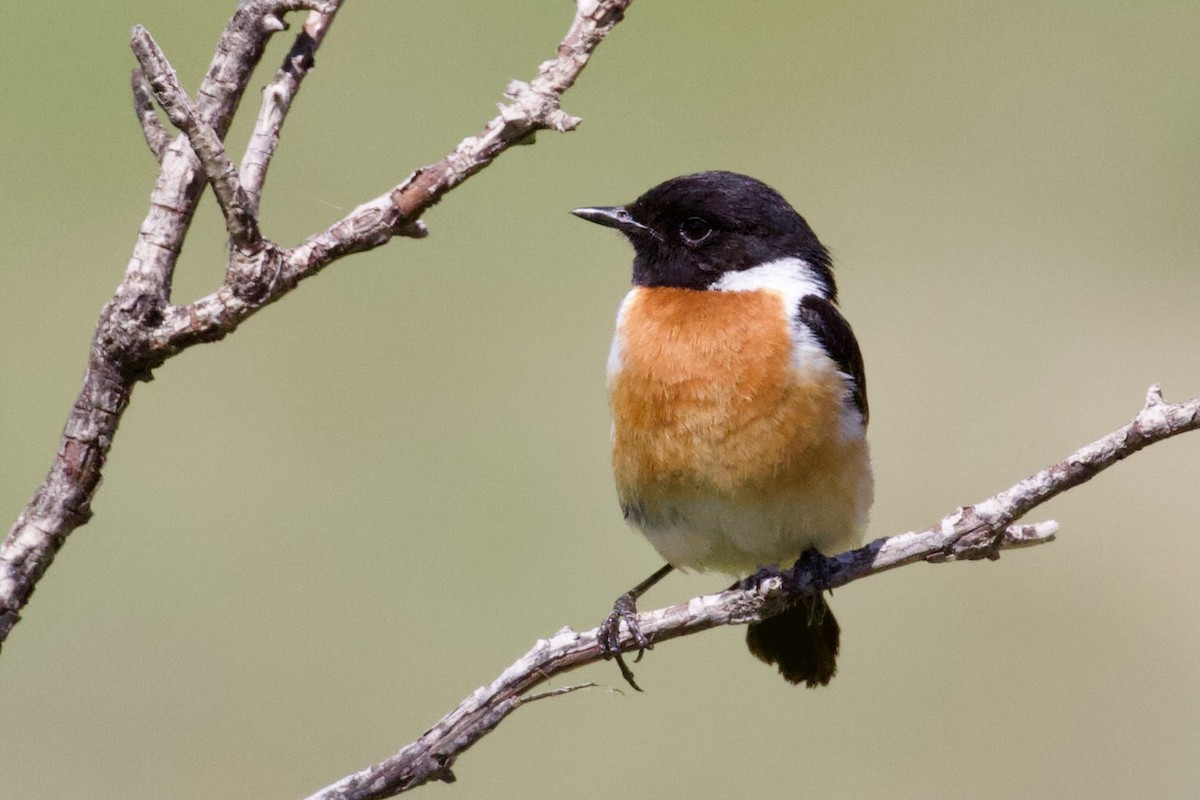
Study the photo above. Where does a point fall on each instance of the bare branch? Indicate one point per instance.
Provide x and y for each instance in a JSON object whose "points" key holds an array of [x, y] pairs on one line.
{"points": [[277, 99], [151, 266], [272, 274], [140, 328], [121, 352], [534, 106], [969, 533], [239, 50], [240, 220], [157, 138]]}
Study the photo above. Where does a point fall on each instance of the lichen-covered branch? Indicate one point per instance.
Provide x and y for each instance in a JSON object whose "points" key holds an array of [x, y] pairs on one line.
{"points": [[979, 531]]}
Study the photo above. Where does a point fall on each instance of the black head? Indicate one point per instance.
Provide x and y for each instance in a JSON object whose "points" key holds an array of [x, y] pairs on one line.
{"points": [[691, 230]]}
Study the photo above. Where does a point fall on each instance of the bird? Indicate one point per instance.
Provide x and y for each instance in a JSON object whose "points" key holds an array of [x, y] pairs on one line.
{"points": [[739, 403]]}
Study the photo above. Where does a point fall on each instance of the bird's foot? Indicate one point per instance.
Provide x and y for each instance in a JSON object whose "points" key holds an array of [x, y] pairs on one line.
{"points": [[624, 610]]}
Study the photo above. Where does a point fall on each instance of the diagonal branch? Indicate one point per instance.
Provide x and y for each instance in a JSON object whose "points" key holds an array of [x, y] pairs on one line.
{"points": [[534, 106], [240, 220], [973, 532]]}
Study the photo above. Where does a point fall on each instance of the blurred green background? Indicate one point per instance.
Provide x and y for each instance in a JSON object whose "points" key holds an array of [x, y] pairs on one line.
{"points": [[317, 536]]}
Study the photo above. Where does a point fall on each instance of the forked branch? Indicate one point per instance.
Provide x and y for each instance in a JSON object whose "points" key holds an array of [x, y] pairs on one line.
{"points": [[240, 220], [141, 327]]}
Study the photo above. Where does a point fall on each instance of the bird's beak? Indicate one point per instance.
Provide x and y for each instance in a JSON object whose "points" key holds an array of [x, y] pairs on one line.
{"points": [[613, 217]]}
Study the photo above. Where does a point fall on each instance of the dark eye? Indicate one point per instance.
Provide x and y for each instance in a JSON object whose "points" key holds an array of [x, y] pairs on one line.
{"points": [[695, 230]]}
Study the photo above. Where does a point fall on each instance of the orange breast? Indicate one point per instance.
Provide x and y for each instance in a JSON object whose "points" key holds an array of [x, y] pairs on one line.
{"points": [[708, 408]]}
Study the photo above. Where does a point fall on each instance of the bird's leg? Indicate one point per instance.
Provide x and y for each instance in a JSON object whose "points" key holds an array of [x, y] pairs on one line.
{"points": [[817, 565], [625, 608]]}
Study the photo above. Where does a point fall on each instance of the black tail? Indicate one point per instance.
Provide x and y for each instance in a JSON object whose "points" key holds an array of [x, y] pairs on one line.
{"points": [[802, 641]]}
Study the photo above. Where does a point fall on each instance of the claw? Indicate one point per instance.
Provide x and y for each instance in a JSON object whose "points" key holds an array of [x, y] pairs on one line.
{"points": [[624, 609], [627, 673]]}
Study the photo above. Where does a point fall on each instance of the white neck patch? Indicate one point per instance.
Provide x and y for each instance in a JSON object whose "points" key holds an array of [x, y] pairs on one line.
{"points": [[791, 277]]}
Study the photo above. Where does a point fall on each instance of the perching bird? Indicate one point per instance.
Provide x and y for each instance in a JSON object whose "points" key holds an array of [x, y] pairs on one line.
{"points": [[739, 401]]}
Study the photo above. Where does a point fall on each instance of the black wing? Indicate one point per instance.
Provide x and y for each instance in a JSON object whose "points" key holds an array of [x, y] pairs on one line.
{"points": [[836, 337]]}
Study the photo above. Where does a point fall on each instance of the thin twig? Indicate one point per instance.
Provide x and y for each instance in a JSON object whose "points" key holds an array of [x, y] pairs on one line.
{"points": [[979, 531], [239, 50], [277, 97], [557, 692], [157, 138]]}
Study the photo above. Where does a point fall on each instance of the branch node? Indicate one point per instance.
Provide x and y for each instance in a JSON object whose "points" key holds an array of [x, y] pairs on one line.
{"points": [[253, 275], [1154, 396], [273, 23], [534, 108], [1029, 535], [414, 230]]}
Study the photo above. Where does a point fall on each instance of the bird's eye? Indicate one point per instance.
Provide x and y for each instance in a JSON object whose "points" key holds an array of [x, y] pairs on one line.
{"points": [[695, 230]]}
